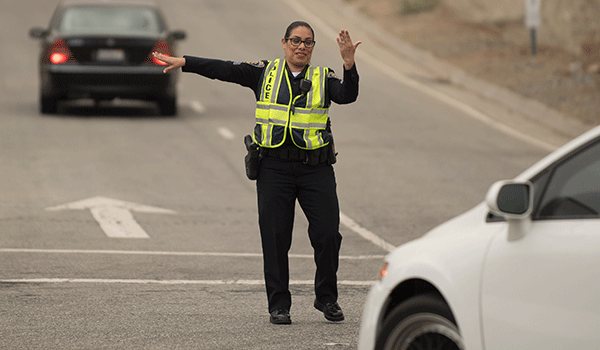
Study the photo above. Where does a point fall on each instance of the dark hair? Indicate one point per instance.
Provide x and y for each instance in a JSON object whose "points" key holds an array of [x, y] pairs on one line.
{"points": [[295, 25]]}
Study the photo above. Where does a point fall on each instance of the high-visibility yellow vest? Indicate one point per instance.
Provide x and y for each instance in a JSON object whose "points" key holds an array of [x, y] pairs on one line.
{"points": [[304, 119]]}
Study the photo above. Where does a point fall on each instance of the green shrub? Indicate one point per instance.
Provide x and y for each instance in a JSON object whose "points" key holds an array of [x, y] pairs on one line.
{"points": [[416, 6]]}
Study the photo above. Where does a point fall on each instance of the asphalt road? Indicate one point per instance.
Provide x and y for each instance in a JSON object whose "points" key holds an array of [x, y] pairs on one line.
{"points": [[413, 152]]}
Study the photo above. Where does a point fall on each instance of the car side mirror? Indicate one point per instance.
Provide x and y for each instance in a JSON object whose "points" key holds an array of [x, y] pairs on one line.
{"points": [[38, 33], [512, 200], [178, 35]]}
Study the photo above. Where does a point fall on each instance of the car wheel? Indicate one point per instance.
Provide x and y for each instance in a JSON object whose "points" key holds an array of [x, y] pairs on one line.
{"points": [[48, 105], [168, 106], [422, 322]]}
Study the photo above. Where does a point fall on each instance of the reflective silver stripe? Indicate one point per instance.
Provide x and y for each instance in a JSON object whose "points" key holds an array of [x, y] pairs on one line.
{"points": [[280, 122], [320, 138], [323, 79], [269, 138], [312, 111], [309, 125], [309, 144], [272, 107], [309, 97], [278, 75]]}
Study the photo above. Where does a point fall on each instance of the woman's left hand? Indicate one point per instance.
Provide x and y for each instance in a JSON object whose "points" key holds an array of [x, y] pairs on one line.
{"points": [[347, 48]]}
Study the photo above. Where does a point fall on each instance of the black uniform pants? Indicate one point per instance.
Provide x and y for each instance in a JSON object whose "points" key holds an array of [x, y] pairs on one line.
{"points": [[279, 184]]}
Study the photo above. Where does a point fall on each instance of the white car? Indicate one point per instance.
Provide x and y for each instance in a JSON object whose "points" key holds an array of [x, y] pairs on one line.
{"points": [[519, 271]]}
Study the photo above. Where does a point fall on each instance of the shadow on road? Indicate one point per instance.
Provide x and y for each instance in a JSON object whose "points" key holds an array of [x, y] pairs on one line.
{"points": [[109, 109]]}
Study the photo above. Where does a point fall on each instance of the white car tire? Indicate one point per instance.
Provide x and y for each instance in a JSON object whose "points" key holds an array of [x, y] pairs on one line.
{"points": [[421, 322]]}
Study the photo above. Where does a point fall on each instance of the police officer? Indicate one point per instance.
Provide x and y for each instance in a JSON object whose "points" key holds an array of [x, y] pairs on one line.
{"points": [[292, 130]]}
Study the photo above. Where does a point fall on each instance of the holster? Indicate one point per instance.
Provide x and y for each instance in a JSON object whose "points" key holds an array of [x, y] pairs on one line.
{"points": [[331, 153], [252, 159]]}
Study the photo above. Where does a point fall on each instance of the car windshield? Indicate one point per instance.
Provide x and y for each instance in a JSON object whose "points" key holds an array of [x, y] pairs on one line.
{"points": [[121, 20]]}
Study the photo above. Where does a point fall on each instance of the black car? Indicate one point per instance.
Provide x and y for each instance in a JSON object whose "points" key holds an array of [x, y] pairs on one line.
{"points": [[102, 50]]}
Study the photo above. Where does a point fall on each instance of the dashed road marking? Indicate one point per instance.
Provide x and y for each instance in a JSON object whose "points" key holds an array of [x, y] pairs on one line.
{"points": [[226, 133], [197, 107]]}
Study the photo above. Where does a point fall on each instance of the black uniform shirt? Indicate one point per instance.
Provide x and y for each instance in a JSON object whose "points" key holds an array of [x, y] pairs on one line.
{"points": [[249, 74]]}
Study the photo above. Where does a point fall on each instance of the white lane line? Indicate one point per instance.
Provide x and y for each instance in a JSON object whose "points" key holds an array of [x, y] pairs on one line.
{"points": [[171, 282], [226, 133], [390, 71], [155, 253], [366, 234], [197, 107]]}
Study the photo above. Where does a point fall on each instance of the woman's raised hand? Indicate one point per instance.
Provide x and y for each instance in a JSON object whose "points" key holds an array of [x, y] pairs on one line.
{"points": [[347, 48]]}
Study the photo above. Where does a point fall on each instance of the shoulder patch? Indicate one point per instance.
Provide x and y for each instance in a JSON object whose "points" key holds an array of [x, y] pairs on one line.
{"points": [[258, 64], [332, 75]]}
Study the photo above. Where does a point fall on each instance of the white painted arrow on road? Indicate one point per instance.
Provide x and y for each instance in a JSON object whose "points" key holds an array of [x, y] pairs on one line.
{"points": [[114, 216]]}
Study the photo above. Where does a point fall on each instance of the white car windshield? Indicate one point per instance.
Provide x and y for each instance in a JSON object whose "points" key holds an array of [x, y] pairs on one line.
{"points": [[119, 20]]}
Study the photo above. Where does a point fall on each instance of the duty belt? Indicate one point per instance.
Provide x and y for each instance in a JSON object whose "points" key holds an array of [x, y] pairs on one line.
{"points": [[312, 157]]}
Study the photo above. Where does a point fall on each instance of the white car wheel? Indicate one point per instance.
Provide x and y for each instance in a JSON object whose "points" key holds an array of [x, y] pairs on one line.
{"points": [[422, 322]]}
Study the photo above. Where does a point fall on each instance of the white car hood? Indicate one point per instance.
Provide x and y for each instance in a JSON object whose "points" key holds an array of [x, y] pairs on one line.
{"points": [[465, 221]]}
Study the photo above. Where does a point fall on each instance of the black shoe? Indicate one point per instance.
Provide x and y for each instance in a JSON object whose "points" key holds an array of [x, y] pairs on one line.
{"points": [[281, 316], [331, 311]]}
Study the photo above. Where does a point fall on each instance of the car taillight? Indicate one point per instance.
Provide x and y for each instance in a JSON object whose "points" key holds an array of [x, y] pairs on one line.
{"points": [[59, 52], [58, 57], [163, 47]]}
